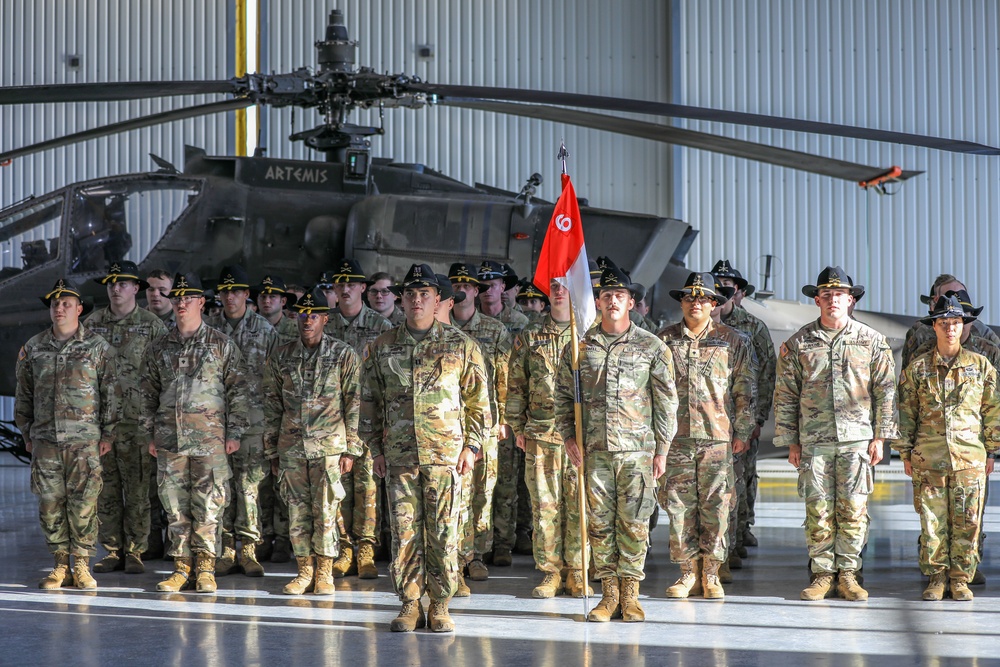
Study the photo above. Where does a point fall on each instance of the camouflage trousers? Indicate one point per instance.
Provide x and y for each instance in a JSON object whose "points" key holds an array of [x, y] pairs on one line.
{"points": [[621, 497], [737, 503], [950, 506], [123, 509], [273, 510], [312, 491], [835, 480], [476, 517], [747, 515], [241, 519], [505, 494], [67, 482], [193, 490], [425, 503], [553, 485], [359, 510], [697, 492]]}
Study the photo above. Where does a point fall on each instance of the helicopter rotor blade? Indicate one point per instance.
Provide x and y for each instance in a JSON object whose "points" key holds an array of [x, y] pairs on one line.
{"points": [[781, 157], [126, 125], [111, 91], [449, 92]]}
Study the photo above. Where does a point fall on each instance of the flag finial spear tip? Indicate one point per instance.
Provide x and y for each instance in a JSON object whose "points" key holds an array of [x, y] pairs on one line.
{"points": [[563, 154]]}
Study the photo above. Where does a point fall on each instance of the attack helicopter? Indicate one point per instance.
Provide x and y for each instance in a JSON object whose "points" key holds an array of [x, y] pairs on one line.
{"points": [[295, 218]]}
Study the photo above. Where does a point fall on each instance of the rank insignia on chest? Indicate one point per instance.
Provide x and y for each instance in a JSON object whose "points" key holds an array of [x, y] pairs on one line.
{"points": [[309, 375], [116, 340], [183, 362]]}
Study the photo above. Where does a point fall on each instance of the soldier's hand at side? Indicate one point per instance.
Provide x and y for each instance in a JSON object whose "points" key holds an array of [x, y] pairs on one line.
{"points": [[740, 446], [103, 447], [875, 450], [503, 431], [152, 449], [756, 433], [27, 446], [232, 446], [466, 461], [989, 467], [346, 463], [659, 465], [795, 455], [573, 452], [274, 467], [519, 441], [378, 466], [908, 468]]}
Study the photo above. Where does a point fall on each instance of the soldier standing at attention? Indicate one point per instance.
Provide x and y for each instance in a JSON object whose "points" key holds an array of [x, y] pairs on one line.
{"points": [[425, 414], [629, 406], [158, 284], [67, 408], [552, 480], [194, 413], [714, 375], [920, 334], [382, 300], [949, 430], [311, 403], [272, 301], [123, 508], [834, 405], [256, 338], [158, 303], [357, 325]]}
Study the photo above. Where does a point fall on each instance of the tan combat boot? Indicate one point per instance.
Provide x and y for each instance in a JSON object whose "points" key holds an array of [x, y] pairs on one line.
{"points": [[180, 579], [711, 586], [502, 557], [820, 587], [60, 575], [608, 607], [366, 561], [960, 590], [82, 578], [689, 582], [576, 584], [849, 588], [550, 587], [248, 561], [438, 617], [631, 610], [227, 562], [935, 589], [345, 561], [113, 561], [205, 568], [324, 576], [725, 574], [463, 589], [133, 563], [411, 617], [303, 582], [478, 570]]}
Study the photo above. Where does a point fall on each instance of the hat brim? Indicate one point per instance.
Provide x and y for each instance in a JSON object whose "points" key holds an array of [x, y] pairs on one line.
{"points": [[678, 294], [257, 292], [143, 285], [926, 300], [812, 291], [749, 290], [929, 321], [398, 289], [631, 291]]}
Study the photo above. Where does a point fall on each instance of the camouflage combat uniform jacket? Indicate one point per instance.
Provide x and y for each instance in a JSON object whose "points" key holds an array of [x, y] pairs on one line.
{"points": [[422, 402], [949, 426], [358, 333], [495, 343], [312, 401], [531, 383], [397, 317], [715, 382], [763, 347], [67, 394], [973, 343], [287, 330], [193, 392], [834, 386], [129, 337], [628, 392], [514, 320], [920, 334]]}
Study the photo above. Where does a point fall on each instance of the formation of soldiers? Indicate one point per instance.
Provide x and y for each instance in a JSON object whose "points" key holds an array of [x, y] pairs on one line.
{"points": [[330, 422]]}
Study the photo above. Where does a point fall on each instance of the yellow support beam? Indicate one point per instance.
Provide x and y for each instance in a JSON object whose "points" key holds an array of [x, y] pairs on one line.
{"points": [[241, 69]]}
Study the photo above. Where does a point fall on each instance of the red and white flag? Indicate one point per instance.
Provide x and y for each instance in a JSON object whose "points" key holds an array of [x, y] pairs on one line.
{"points": [[564, 258]]}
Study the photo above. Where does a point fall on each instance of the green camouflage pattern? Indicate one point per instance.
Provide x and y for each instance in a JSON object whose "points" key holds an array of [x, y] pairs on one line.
{"points": [[621, 496], [67, 481], [835, 479], [978, 344], [949, 416], [193, 393], [834, 386], [921, 334], [396, 317], [505, 496], [513, 319], [424, 504], [697, 492], [248, 470], [495, 342], [531, 382], [763, 347], [476, 519], [312, 491], [287, 330], [361, 331], [641, 321], [950, 506], [194, 491], [714, 377], [422, 402], [123, 506], [627, 390], [67, 392], [553, 485]]}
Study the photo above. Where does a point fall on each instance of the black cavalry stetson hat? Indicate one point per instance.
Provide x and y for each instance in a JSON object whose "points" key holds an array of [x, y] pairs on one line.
{"points": [[833, 277], [490, 270], [529, 291], [313, 301], [349, 271], [613, 277], [948, 307], [702, 284], [60, 289], [275, 285], [122, 270], [447, 291], [186, 285], [233, 277], [966, 301], [419, 275], [723, 269], [463, 272]]}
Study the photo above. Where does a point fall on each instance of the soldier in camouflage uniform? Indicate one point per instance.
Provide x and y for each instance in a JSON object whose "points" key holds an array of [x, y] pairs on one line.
{"points": [[311, 403], [425, 415], [534, 304], [834, 405], [949, 424], [272, 301], [194, 413], [357, 325], [382, 300], [158, 303], [735, 316], [495, 343], [123, 508], [629, 406], [67, 408], [715, 376], [553, 482], [256, 338], [158, 283]]}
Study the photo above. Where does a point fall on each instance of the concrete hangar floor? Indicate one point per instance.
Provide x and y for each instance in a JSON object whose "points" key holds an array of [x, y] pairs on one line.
{"points": [[761, 622]]}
